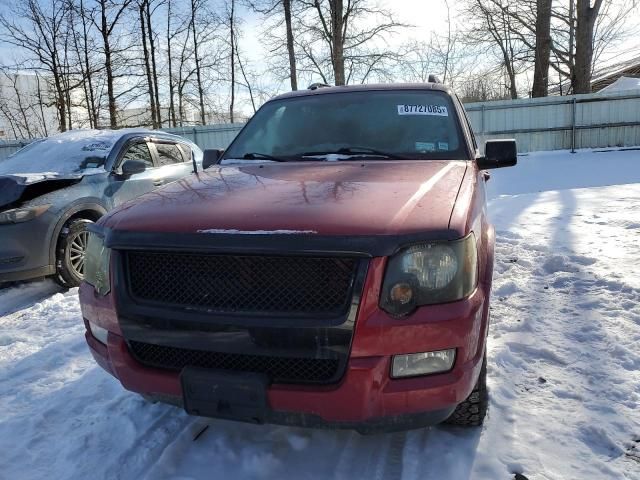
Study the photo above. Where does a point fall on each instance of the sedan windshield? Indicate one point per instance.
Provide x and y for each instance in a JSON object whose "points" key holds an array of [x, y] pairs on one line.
{"points": [[66, 153], [377, 124]]}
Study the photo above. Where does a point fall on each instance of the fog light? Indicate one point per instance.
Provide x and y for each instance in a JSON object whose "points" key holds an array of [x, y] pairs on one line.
{"points": [[423, 363], [99, 333]]}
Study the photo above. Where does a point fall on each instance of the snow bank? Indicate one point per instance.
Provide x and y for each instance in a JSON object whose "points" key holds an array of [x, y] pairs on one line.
{"points": [[559, 170]]}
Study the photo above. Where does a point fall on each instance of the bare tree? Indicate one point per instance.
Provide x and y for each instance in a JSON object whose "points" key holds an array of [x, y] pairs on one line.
{"points": [[609, 25], [174, 34], [142, 7], [281, 10], [232, 40], [84, 46], [195, 7], [340, 36], [482, 86], [491, 25], [23, 103], [42, 34], [109, 14], [149, 12]]}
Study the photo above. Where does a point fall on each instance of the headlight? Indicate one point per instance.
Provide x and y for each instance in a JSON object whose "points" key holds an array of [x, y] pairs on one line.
{"points": [[18, 215], [430, 273], [96, 264]]}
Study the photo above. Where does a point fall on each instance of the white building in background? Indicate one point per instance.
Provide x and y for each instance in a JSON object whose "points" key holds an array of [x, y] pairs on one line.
{"points": [[26, 107]]}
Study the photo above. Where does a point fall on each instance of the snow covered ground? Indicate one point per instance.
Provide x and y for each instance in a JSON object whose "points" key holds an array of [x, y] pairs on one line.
{"points": [[564, 365]]}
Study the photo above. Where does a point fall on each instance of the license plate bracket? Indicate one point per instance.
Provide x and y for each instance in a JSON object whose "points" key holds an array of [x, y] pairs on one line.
{"points": [[222, 394]]}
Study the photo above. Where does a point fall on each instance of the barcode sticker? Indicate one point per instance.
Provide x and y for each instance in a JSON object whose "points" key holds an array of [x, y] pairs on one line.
{"points": [[437, 110]]}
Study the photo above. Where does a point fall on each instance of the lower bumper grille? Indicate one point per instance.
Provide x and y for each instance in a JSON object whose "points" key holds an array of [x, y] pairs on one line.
{"points": [[279, 369]]}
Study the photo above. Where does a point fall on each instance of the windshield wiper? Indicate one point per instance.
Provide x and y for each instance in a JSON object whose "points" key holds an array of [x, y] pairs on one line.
{"points": [[355, 151], [262, 156]]}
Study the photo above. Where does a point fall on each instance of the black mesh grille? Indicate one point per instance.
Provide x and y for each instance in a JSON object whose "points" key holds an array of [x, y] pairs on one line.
{"points": [[243, 284], [279, 369]]}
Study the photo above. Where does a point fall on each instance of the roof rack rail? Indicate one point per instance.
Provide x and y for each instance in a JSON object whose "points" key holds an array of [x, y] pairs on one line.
{"points": [[433, 78], [315, 86]]}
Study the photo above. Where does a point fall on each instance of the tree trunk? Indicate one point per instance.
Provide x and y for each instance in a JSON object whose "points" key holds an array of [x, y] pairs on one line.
{"points": [[513, 87], [586, 19], [91, 106], [233, 62], [543, 49], [147, 68], [286, 4], [60, 99], [113, 121], [41, 104], [337, 40], [154, 71], [172, 106], [197, 62]]}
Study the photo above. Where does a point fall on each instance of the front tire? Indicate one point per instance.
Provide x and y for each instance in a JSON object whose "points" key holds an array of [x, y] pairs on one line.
{"points": [[71, 248], [472, 411]]}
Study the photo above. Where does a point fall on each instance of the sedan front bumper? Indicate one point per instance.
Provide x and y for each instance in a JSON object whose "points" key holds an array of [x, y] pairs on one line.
{"points": [[24, 250]]}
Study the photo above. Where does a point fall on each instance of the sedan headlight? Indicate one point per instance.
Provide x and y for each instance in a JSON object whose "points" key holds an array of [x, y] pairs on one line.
{"points": [[19, 215], [96, 264], [430, 273]]}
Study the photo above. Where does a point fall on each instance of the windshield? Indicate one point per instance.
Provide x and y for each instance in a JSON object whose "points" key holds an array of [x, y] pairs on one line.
{"points": [[67, 153], [413, 124]]}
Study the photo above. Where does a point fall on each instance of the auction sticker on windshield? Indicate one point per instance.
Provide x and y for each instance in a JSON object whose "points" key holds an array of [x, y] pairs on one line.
{"points": [[437, 110]]}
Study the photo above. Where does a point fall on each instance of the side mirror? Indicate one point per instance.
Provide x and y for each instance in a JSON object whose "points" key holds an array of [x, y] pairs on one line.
{"points": [[131, 167], [211, 157], [498, 154]]}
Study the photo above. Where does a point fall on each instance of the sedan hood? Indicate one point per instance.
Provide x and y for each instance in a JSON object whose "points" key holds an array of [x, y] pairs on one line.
{"points": [[324, 198], [17, 189]]}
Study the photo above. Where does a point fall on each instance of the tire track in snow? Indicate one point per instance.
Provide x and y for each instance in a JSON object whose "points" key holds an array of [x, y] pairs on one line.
{"points": [[152, 441], [377, 457]]}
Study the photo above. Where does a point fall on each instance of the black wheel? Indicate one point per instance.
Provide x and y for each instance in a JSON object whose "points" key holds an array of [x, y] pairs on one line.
{"points": [[472, 411], [72, 244]]}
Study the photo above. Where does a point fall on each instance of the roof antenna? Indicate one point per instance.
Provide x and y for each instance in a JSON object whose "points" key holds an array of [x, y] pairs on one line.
{"points": [[193, 160]]}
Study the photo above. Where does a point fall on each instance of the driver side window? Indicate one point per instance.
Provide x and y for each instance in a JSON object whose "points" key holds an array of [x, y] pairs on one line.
{"points": [[138, 151]]}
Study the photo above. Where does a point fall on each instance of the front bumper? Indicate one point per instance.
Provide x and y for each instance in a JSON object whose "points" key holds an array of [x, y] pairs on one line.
{"points": [[24, 249], [366, 398]]}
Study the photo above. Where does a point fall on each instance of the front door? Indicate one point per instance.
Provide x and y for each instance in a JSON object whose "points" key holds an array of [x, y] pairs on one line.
{"points": [[174, 160], [122, 188]]}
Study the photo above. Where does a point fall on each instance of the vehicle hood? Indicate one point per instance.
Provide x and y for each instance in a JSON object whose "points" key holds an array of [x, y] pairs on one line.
{"points": [[324, 198], [17, 189]]}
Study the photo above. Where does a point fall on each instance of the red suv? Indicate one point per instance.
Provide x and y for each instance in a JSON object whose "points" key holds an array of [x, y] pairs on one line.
{"points": [[332, 268]]}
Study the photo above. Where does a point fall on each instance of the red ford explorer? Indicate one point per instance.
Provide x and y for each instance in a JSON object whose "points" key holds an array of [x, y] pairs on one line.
{"points": [[332, 268]]}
